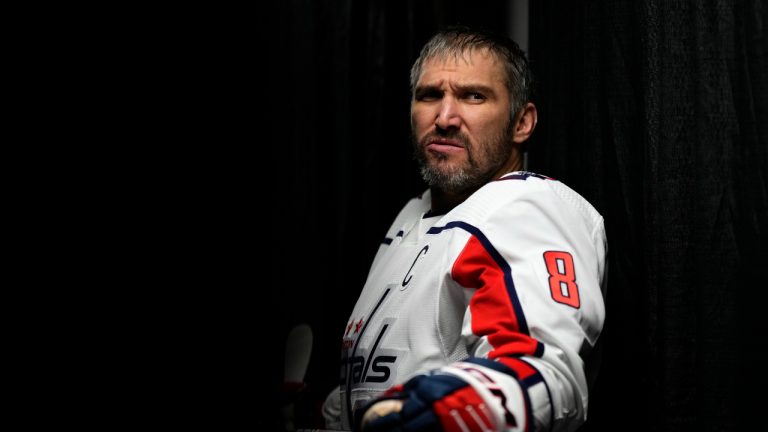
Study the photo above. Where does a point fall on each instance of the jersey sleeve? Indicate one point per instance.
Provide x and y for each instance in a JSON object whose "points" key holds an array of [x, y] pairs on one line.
{"points": [[533, 270]]}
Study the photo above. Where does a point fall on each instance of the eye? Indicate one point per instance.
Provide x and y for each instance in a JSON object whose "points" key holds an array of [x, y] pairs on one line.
{"points": [[428, 95], [474, 97]]}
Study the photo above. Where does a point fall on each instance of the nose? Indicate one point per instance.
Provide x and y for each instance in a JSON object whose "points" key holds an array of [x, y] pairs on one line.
{"points": [[449, 115]]}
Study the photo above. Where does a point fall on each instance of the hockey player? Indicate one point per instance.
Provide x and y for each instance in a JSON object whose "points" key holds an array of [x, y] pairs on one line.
{"points": [[484, 299]]}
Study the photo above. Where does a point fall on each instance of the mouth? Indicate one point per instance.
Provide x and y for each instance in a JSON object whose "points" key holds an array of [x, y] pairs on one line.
{"points": [[444, 145]]}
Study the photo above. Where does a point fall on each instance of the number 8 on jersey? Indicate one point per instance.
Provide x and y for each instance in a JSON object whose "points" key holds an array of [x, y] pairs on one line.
{"points": [[562, 278]]}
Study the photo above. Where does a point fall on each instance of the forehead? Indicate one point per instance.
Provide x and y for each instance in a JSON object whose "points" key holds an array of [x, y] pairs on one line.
{"points": [[476, 66]]}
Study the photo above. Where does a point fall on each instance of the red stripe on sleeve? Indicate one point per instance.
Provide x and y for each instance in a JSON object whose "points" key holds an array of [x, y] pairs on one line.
{"points": [[521, 368], [491, 306]]}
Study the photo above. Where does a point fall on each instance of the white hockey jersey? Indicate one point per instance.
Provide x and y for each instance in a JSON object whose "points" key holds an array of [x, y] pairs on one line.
{"points": [[513, 274]]}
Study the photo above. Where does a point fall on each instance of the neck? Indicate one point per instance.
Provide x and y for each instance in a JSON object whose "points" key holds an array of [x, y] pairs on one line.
{"points": [[443, 202]]}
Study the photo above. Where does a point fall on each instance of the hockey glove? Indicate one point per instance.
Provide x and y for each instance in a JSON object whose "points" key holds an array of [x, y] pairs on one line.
{"points": [[436, 402]]}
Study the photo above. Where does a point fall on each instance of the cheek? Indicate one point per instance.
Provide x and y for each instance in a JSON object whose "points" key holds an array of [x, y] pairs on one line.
{"points": [[489, 126], [420, 121]]}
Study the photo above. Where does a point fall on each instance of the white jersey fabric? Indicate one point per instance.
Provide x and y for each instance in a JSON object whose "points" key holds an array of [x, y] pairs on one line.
{"points": [[513, 274]]}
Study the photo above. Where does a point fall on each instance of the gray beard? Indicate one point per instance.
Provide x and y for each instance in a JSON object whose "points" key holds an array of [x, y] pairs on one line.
{"points": [[467, 178], [453, 182]]}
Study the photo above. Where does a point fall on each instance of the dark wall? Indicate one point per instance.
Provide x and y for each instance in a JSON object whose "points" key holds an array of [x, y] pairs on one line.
{"points": [[657, 112]]}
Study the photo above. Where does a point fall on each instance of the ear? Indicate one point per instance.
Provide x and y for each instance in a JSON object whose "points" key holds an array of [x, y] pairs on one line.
{"points": [[525, 122]]}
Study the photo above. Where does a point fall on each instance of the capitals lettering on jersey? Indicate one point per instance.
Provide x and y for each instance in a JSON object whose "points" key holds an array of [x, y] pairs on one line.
{"points": [[370, 366]]}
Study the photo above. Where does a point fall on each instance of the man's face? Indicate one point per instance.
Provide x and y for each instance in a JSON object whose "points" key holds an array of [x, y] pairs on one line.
{"points": [[460, 119]]}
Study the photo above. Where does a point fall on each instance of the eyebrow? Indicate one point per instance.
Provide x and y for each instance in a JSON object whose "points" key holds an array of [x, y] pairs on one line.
{"points": [[468, 88]]}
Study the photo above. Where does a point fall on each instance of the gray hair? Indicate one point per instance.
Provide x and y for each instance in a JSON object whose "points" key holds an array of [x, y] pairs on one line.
{"points": [[456, 41]]}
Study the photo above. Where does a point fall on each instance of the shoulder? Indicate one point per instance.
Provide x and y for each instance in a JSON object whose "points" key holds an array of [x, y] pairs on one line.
{"points": [[539, 187], [519, 183], [526, 195]]}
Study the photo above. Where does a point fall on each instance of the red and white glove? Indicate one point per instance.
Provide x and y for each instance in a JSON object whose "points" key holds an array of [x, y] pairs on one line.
{"points": [[466, 396]]}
